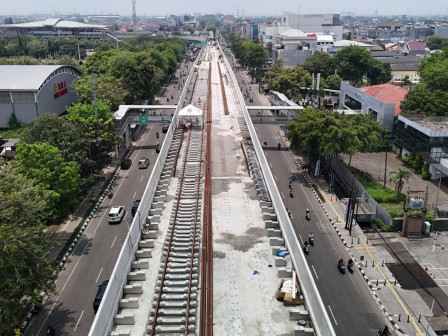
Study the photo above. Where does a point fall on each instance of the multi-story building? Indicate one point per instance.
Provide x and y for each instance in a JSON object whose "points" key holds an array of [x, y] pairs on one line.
{"points": [[329, 24]]}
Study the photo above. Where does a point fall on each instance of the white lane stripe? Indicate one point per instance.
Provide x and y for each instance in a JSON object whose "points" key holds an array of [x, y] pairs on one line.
{"points": [[76, 326], [113, 242], [315, 273], [99, 275], [332, 315]]}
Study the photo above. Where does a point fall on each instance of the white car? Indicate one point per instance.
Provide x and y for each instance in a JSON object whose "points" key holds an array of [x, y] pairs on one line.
{"points": [[143, 163], [116, 214]]}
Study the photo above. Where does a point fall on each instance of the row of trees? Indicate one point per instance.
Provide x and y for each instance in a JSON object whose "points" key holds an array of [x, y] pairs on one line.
{"points": [[351, 63], [322, 132], [249, 54]]}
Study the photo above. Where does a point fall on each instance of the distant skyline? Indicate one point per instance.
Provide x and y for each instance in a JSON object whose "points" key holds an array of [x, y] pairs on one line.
{"points": [[250, 7]]}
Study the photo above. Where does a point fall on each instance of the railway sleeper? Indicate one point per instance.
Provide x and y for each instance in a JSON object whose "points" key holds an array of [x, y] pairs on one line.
{"points": [[174, 312], [180, 260], [183, 248], [176, 297], [174, 290], [174, 330], [179, 255], [183, 264], [178, 276], [178, 283], [174, 320], [182, 270], [174, 304]]}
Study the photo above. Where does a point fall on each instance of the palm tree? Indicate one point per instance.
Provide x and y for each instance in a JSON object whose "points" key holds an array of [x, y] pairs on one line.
{"points": [[399, 177]]}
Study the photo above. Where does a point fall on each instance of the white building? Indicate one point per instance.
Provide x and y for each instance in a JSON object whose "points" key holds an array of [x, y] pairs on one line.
{"points": [[338, 45], [315, 23]]}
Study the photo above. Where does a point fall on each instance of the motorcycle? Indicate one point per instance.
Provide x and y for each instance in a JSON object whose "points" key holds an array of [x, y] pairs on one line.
{"points": [[307, 216], [265, 143], [291, 193], [311, 240], [306, 249], [51, 331], [341, 268], [110, 194], [350, 266], [279, 146]]}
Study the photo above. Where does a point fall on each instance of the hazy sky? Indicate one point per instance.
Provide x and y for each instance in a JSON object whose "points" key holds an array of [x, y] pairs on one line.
{"points": [[250, 7]]}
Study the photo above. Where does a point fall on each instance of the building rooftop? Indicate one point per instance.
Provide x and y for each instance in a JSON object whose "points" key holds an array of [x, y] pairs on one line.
{"points": [[53, 23], [345, 43], [431, 126], [387, 93], [416, 45], [29, 77], [293, 33]]}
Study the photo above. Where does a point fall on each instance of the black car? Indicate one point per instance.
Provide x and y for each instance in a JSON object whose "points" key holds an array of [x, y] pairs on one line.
{"points": [[158, 148], [135, 207], [165, 128], [99, 295], [126, 164]]}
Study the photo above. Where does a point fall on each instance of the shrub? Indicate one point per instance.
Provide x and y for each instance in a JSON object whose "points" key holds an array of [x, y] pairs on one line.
{"points": [[426, 175]]}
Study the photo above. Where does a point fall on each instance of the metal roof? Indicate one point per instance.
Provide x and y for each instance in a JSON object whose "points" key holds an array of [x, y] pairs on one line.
{"points": [[28, 77], [54, 23]]}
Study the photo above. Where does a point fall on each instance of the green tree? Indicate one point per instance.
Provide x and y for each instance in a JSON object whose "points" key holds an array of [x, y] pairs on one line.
{"points": [[399, 177], [289, 80], [436, 42], [379, 72], [68, 137], [25, 207], [44, 163], [332, 82], [421, 100], [320, 62], [352, 62], [320, 132], [108, 88], [83, 115]]}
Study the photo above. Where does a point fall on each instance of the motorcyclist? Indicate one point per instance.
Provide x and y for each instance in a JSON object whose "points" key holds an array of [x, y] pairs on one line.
{"points": [[279, 146], [157, 135], [341, 262], [311, 235], [289, 213], [350, 262], [265, 141], [307, 214], [291, 193]]}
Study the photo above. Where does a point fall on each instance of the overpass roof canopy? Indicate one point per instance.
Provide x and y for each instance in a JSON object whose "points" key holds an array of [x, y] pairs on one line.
{"points": [[54, 23], [30, 77]]}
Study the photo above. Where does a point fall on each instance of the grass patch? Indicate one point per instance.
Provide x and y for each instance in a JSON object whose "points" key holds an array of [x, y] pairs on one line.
{"points": [[318, 193], [12, 134], [378, 192]]}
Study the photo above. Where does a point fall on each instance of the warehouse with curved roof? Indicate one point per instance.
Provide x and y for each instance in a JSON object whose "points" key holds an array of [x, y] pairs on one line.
{"points": [[29, 91]]}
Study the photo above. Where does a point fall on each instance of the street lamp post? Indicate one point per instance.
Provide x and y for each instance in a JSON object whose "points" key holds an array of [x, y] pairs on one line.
{"points": [[435, 205]]}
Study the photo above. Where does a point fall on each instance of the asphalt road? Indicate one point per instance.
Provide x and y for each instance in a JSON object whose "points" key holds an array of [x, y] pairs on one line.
{"points": [[347, 299], [70, 312]]}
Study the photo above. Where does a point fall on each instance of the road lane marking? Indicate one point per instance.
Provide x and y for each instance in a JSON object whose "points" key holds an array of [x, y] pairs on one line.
{"points": [[113, 242], [57, 298], [76, 326], [141, 178], [301, 240], [100, 272], [135, 193], [283, 196], [332, 315], [315, 273], [275, 177]]}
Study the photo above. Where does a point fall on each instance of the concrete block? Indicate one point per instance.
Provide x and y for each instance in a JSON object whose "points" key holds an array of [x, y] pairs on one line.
{"points": [[143, 253], [133, 289], [120, 333], [283, 272], [271, 224], [124, 319], [265, 209], [137, 276], [279, 248], [300, 331], [298, 314], [269, 216], [146, 243], [129, 303], [157, 205], [274, 233], [280, 261], [139, 264], [276, 241]]}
